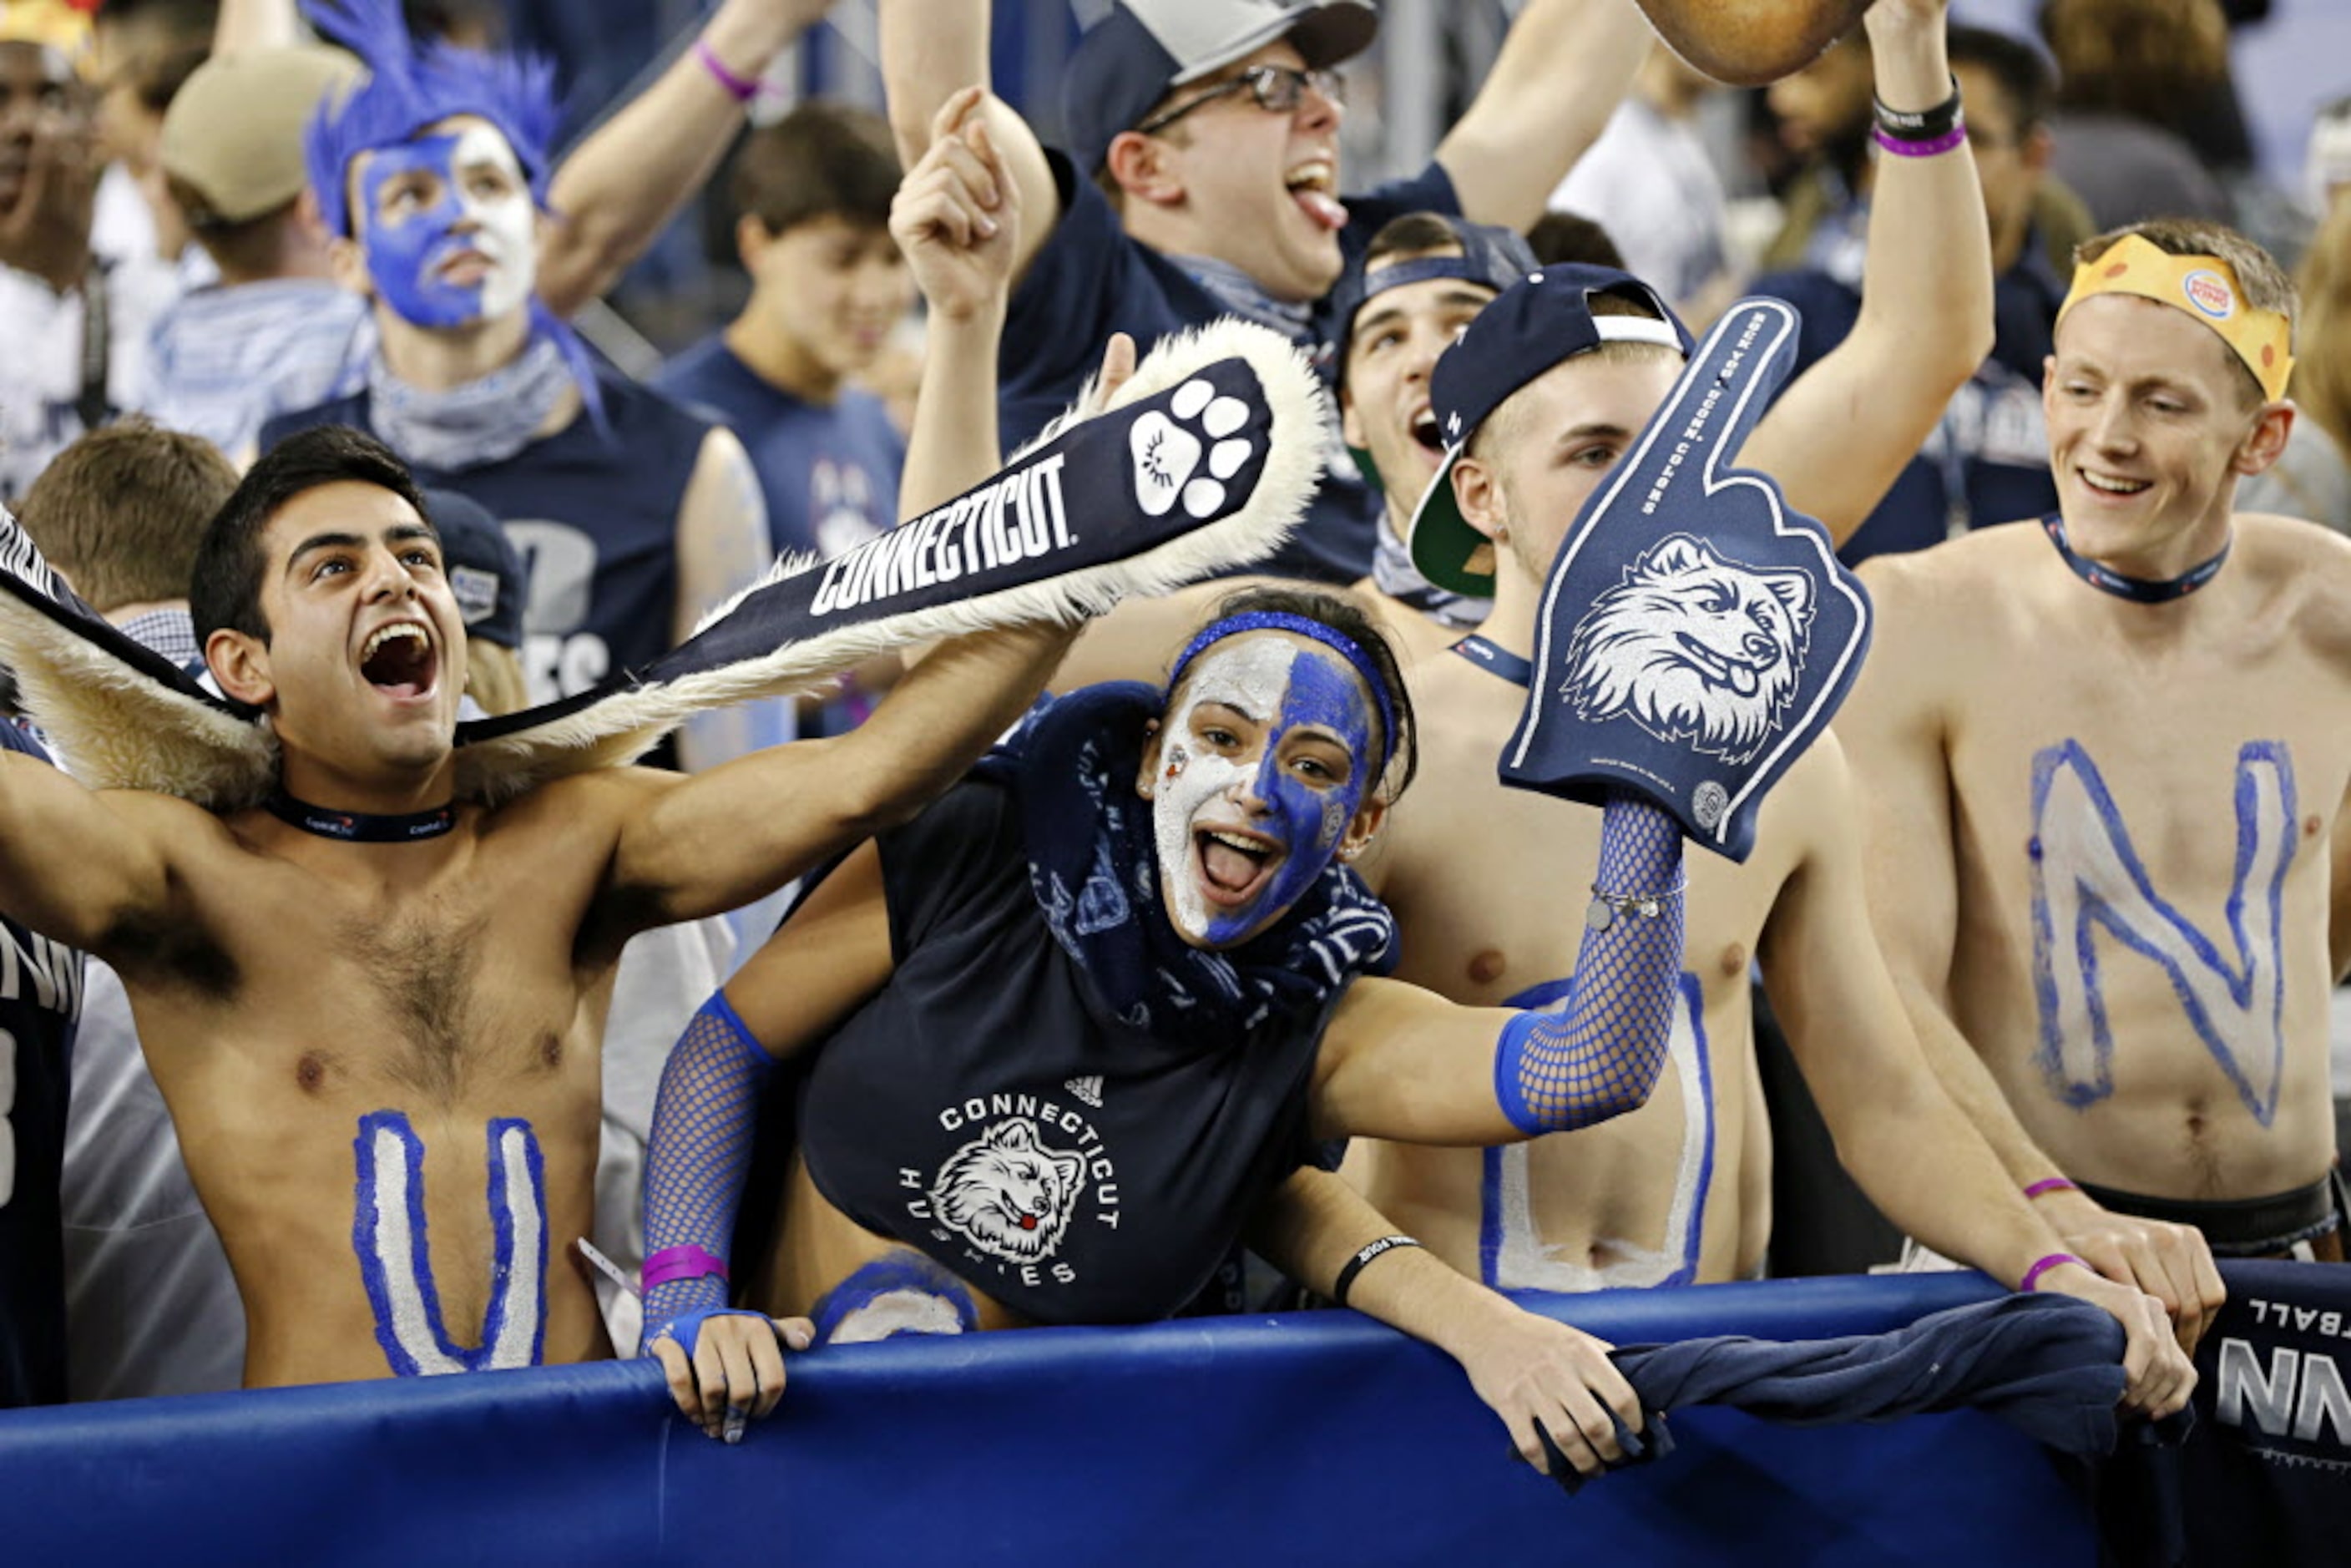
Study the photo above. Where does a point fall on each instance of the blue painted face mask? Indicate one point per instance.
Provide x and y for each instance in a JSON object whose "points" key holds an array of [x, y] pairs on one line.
{"points": [[1231, 871], [450, 232]]}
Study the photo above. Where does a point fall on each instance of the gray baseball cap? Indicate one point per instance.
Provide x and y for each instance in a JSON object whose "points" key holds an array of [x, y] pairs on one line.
{"points": [[1134, 57]]}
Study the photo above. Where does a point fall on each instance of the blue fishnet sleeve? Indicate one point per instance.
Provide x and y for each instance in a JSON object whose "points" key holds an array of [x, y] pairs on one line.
{"points": [[697, 1151], [1599, 1054]]}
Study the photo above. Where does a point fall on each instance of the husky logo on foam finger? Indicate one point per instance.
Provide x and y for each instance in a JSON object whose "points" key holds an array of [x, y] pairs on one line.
{"points": [[1167, 449], [1694, 646], [1008, 1195], [1692, 620]]}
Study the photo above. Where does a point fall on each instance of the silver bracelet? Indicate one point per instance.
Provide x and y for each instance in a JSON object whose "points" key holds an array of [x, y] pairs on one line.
{"points": [[1607, 908]]}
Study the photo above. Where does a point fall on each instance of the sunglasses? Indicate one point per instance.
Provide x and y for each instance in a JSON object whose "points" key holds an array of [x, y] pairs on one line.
{"points": [[1277, 89]]}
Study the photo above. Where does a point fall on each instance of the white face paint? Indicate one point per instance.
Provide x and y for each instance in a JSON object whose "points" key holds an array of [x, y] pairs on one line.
{"points": [[451, 234], [509, 232], [1290, 812]]}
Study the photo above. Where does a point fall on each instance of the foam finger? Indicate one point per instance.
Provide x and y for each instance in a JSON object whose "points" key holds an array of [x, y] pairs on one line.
{"points": [[1715, 406]]}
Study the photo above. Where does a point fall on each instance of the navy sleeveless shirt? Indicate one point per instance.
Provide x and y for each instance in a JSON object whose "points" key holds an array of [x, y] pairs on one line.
{"points": [[40, 1000], [595, 517], [980, 1108]]}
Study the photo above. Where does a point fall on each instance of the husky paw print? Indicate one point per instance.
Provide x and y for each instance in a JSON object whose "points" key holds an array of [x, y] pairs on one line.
{"points": [[1168, 448]]}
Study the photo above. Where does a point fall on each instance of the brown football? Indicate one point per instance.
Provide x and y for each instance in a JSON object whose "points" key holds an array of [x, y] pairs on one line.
{"points": [[1750, 42]]}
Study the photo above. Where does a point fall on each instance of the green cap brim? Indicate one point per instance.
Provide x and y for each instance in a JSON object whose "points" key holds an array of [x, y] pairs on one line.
{"points": [[1442, 541]]}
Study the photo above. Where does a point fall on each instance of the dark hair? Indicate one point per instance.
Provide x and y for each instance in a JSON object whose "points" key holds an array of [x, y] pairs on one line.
{"points": [[1345, 614], [120, 511], [185, 18], [2023, 75], [1411, 233], [822, 160], [1562, 238], [226, 587]]}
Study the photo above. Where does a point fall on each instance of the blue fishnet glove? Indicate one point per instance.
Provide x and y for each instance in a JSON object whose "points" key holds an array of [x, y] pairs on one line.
{"points": [[696, 1157], [1598, 1055]]}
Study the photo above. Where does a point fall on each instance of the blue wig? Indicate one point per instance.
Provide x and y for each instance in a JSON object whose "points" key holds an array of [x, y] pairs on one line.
{"points": [[411, 85]]}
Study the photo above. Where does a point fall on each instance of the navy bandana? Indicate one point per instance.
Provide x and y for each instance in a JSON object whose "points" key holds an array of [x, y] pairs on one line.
{"points": [[1096, 877]]}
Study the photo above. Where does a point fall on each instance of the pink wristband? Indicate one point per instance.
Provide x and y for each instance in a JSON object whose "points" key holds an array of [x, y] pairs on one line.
{"points": [[742, 89], [1956, 136], [687, 1263], [2043, 1265], [2050, 1183]]}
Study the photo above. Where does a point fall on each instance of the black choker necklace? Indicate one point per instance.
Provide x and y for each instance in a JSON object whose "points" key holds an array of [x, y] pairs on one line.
{"points": [[2138, 589], [363, 827]]}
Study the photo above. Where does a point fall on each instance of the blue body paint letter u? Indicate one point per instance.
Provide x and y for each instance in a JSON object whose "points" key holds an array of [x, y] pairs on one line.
{"points": [[395, 1257], [2087, 878]]}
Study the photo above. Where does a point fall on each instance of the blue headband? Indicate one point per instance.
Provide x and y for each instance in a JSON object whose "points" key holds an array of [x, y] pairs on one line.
{"points": [[1281, 620]]}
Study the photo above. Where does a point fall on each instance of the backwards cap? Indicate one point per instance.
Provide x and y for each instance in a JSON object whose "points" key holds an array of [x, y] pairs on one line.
{"points": [[1531, 327], [1489, 254], [411, 85], [2206, 287]]}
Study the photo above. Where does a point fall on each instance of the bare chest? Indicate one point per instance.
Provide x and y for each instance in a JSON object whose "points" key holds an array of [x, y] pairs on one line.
{"points": [[2197, 791], [1491, 887], [464, 992]]}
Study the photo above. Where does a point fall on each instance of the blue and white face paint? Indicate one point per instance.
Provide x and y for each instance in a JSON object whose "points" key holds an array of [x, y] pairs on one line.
{"points": [[1246, 810], [448, 228]]}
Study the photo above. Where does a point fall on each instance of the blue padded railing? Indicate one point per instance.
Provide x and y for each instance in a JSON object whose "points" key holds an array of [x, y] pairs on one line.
{"points": [[1299, 1438]]}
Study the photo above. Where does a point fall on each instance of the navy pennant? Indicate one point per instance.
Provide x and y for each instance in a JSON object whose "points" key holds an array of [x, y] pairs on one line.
{"points": [[1204, 464], [1695, 634]]}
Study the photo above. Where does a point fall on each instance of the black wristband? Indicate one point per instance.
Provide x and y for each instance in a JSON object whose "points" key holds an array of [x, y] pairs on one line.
{"points": [[1355, 1264], [1919, 125]]}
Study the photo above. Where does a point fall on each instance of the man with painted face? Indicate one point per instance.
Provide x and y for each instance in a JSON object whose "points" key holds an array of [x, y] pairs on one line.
{"points": [[1551, 384], [276, 334], [637, 516], [1200, 179], [2104, 765]]}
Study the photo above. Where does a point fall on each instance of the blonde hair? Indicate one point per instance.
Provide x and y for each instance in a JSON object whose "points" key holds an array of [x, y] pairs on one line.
{"points": [[2322, 372]]}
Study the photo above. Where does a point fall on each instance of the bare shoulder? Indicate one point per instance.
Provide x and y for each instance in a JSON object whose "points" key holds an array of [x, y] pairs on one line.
{"points": [[1924, 587], [2301, 571], [191, 835], [582, 806]]}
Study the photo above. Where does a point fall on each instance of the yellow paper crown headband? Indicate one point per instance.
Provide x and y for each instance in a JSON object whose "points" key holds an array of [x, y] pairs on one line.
{"points": [[2204, 286]]}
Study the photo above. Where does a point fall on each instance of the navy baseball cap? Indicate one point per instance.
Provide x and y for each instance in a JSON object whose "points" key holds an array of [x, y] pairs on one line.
{"points": [[485, 570], [1134, 57], [1543, 320], [1489, 254]]}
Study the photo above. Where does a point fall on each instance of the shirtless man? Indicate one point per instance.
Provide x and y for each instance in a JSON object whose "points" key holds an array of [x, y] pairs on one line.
{"points": [[370, 1002], [2106, 839], [1678, 1191]]}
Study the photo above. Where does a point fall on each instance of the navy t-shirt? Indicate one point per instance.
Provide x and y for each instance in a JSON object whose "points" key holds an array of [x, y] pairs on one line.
{"points": [[1091, 279], [829, 473], [1988, 461], [595, 517], [980, 1108], [40, 1000]]}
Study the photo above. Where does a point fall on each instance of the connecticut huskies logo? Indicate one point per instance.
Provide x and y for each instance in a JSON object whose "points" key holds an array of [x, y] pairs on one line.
{"points": [[1008, 1195], [1167, 449], [1693, 647]]}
